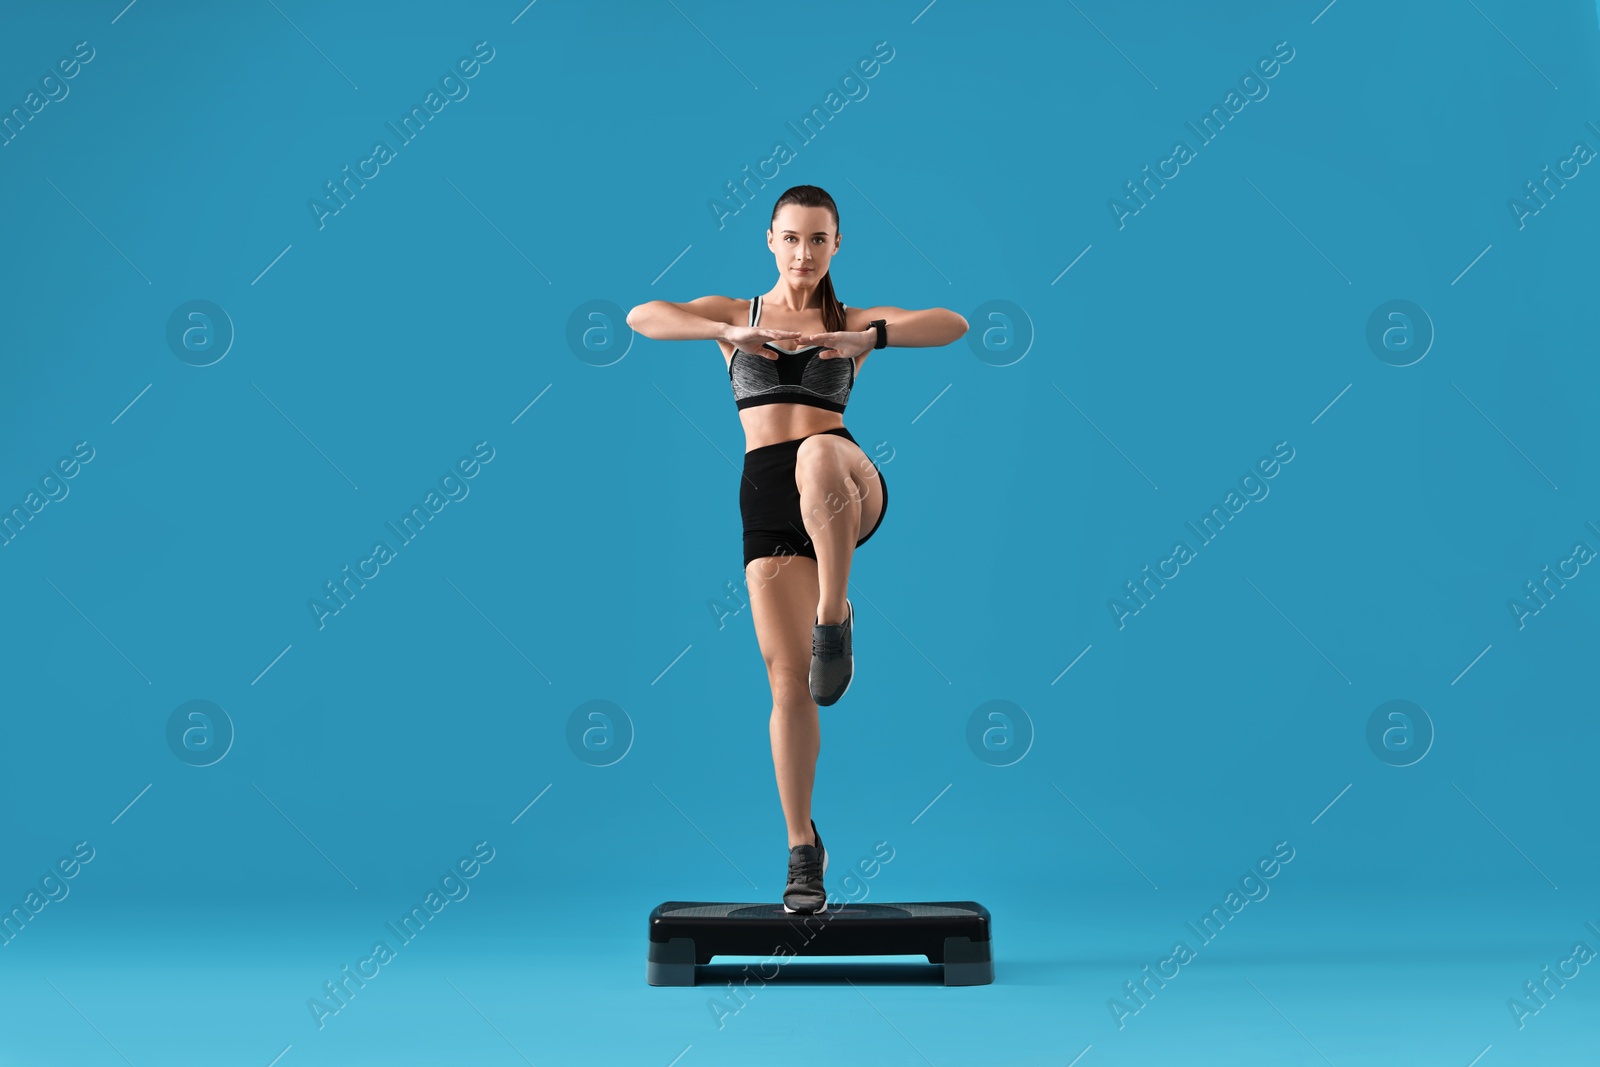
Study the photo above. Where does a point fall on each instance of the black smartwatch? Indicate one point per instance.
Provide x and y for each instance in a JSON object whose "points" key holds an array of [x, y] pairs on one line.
{"points": [[883, 334]]}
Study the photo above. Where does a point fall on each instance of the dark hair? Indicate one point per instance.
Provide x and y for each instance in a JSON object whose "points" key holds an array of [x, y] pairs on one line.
{"points": [[812, 196]]}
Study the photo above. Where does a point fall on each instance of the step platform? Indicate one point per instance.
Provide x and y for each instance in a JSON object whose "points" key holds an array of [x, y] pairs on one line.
{"points": [[685, 934]]}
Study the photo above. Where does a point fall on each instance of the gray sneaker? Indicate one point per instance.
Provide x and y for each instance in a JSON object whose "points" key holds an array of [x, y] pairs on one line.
{"points": [[807, 864], [832, 663]]}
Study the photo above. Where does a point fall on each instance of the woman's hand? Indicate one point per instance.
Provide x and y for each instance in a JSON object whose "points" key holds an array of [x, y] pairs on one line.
{"points": [[751, 338], [841, 344]]}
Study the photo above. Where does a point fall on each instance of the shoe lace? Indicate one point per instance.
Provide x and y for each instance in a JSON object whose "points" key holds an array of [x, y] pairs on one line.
{"points": [[805, 867], [826, 644]]}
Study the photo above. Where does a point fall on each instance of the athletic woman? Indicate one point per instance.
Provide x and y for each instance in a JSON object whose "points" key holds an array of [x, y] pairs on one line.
{"points": [[808, 494]]}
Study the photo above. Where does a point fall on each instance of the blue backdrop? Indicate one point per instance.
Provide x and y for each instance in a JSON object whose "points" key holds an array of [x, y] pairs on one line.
{"points": [[1230, 635]]}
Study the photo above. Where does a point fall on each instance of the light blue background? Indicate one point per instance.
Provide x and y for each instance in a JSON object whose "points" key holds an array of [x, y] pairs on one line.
{"points": [[435, 311]]}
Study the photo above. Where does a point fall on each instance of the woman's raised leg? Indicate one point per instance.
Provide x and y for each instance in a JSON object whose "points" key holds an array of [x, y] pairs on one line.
{"points": [[841, 494]]}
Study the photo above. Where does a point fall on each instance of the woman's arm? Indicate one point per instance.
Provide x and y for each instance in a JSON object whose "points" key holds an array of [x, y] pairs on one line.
{"points": [[925, 328], [702, 319]]}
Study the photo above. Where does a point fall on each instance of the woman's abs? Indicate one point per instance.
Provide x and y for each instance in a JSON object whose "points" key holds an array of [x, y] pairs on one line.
{"points": [[770, 423]]}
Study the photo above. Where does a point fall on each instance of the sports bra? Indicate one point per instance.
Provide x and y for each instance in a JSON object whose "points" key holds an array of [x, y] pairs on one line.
{"points": [[795, 377]]}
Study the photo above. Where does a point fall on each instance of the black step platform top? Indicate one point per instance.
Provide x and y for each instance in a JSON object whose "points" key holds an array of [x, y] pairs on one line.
{"points": [[685, 933]]}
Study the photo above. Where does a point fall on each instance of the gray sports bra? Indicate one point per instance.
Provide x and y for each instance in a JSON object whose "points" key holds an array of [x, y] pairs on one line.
{"points": [[795, 377]]}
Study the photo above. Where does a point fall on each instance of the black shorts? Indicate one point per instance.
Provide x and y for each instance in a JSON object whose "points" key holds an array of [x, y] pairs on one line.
{"points": [[769, 501]]}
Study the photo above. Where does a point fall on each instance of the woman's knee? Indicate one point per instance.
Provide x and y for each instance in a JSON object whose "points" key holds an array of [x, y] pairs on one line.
{"points": [[790, 682], [820, 462]]}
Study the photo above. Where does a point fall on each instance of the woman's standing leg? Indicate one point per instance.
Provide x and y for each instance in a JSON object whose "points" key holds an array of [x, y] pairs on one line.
{"points": [[783, 600]]}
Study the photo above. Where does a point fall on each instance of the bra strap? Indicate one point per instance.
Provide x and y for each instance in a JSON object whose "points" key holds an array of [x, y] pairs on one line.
{"points": [[755, 310]]}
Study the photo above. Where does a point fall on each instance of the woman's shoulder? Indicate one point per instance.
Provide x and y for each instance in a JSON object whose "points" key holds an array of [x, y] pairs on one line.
{"points": [[722, 308], [857, 318]]}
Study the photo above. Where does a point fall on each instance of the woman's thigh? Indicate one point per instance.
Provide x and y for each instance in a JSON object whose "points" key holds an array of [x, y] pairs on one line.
{"points": [[783, 605], [824, 452]]}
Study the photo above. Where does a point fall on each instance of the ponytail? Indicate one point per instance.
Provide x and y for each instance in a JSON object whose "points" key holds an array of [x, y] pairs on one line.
{"points": [[832, 310]]}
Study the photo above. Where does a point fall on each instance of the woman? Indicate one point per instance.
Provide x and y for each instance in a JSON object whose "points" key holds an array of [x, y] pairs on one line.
{"points": [[807, 491]]}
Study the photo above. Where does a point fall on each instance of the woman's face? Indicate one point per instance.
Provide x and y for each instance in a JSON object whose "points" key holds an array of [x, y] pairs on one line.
{"points": [[803, 241]]}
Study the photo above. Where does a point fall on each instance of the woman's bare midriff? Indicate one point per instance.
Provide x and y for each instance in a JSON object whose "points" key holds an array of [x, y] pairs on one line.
{"points": [[768, 424]]}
